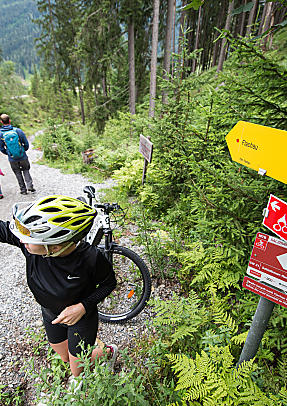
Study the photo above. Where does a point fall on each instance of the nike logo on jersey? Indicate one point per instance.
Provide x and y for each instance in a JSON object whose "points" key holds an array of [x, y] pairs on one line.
{"points": [[73, 277]]}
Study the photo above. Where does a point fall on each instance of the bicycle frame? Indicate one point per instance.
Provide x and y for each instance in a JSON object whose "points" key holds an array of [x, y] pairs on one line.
{"points": [[134, 283], [101, 225]]}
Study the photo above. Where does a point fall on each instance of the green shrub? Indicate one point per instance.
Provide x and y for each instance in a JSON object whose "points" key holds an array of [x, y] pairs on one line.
{"points": [[129, 177]]}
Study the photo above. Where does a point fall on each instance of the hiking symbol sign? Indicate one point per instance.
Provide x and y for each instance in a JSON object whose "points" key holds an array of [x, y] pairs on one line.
{"points": [[275, 216]]}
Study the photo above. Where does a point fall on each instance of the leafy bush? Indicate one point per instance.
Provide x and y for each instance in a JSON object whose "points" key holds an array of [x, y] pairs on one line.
{"points": [[57, 143], [129, 177]]}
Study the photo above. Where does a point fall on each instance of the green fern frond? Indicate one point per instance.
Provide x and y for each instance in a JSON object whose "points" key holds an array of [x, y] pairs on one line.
{"points": [[283, 394], [240, 338], [223, 318], [182, 332], [282, 368]]}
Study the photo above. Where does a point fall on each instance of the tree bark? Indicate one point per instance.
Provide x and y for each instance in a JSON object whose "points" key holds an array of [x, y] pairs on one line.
{"points": [[219, 24], [242, 25], [224, 41], [267, 25], [132, 83], [152, 90], [167, 46], [81, 96], [262, 22], [251, 18], [181, 37], [196, 38], [173, 38]]}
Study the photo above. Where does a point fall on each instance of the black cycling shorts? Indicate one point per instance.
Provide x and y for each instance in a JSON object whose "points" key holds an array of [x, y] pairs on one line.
{"points": [[84, 330]]}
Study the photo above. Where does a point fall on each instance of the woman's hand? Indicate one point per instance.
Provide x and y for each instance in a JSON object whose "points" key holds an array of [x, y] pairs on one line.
{"points": [[71, 315]]}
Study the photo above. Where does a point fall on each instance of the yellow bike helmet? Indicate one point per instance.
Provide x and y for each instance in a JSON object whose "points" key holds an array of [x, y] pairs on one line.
{"points": [[52, 220]]}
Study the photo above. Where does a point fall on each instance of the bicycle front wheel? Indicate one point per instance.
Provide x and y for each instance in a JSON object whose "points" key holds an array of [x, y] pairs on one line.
{"points": [[133, 287]]}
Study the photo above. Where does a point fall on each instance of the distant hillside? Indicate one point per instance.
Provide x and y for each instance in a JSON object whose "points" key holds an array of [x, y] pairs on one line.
{"points": [[17, 33]]}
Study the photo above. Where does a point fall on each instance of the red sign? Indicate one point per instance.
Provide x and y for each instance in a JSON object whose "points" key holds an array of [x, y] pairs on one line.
{"points": [[265, 291], [268, 261], [275, 216]]}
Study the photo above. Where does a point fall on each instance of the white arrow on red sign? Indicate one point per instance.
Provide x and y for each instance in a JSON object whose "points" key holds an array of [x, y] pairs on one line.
{"points": [[283, 261], [275, 206]]}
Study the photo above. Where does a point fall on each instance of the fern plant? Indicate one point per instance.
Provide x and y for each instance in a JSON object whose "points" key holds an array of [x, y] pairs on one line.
{"points": [[180, 319], [212, 380], [208, 265]]}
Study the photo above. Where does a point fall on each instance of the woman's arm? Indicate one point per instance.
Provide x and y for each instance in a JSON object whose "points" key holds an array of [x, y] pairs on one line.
{"points": [[103, 278], [106, 285], [7, 236]]}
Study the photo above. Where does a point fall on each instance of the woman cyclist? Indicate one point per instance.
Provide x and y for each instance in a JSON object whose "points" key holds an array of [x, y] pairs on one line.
{"points": [[68, 277]]}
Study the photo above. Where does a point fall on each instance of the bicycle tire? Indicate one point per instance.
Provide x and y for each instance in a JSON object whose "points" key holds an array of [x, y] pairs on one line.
{"points": [[133, 287]]}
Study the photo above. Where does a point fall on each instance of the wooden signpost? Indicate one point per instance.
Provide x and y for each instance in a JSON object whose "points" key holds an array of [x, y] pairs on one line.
{"points": [[146, 149], [264, 149]]}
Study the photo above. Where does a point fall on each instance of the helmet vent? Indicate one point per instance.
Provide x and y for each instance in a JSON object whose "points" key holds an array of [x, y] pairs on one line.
{"points": [[61, 219], [69, 206], [78, 222], [51, 210], [61, 233], [48, 200], [32, 219], [82, 211]]}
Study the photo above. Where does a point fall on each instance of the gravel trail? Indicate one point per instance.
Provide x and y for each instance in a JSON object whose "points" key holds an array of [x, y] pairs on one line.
{"points": [[18, 309]]}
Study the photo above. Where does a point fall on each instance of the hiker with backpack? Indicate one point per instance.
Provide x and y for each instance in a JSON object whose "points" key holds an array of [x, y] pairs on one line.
{"points": [[14, 143]]}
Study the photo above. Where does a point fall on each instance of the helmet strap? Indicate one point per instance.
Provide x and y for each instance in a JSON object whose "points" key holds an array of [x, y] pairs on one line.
{"points": [[55, 254]]}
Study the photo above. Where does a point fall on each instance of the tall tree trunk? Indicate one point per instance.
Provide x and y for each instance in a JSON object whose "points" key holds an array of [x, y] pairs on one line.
{"points": [[219, 24], [251, 18], [173, 38], [167, 46], [196, 38], [81, 94], [181, 37], [262, 22], [270, 35], [152, 89], [132, 80], [224, 41], [242, 25], [268, 19], [56, 60]]}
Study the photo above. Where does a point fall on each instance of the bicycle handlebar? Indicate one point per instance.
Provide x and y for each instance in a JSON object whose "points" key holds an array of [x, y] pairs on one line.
{"points": [[108, 207]]}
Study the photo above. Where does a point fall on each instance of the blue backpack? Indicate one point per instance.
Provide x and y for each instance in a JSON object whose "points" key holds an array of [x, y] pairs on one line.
{"points": [[13, 144]]}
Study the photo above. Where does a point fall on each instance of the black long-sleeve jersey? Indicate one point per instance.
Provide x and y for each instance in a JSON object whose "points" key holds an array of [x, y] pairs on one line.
{"points": [[84, 276]]}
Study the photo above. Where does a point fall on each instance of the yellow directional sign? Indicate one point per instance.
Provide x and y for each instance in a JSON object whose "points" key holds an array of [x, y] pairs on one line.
{"points": [[261, 148]]}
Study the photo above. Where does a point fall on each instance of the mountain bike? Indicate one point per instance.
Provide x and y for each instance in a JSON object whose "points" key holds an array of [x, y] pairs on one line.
{"points": [[133, 278]]}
